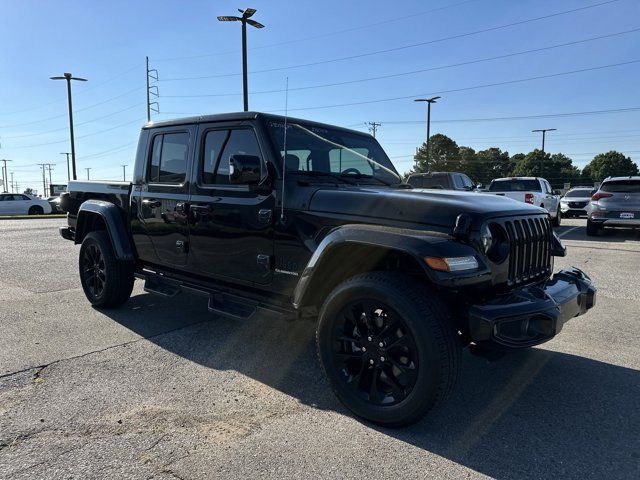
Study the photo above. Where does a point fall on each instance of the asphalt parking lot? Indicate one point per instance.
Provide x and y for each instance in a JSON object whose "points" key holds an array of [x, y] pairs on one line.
{"points": [[160, 388]]}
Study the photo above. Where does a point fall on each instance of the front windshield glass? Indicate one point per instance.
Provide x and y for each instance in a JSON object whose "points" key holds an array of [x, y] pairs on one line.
{"points": [[579, 193], [334, 152]]}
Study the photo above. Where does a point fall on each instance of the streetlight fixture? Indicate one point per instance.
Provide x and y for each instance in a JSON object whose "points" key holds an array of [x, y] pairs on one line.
{"points": [[68, 77], [544, 131], [429, 102], [246, 18]]}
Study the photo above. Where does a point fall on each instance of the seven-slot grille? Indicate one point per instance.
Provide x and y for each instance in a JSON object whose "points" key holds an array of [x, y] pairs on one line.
{"points": [[529, 243]]}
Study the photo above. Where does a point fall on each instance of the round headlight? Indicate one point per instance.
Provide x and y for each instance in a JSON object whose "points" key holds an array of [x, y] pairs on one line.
{"points": [[486, 238]]}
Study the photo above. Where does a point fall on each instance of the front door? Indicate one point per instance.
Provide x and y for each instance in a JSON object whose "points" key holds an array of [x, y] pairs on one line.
{"points": [[162, 227], [231, 234]]}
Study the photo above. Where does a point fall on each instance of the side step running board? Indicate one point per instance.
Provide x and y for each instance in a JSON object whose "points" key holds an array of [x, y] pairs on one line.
{"points": [[231, 306], [160, 286]]}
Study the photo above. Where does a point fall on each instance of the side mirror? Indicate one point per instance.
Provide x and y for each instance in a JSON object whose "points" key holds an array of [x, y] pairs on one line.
{"points": [[244, 170]]}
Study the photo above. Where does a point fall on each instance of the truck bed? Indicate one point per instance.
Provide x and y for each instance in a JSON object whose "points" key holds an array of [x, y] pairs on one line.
{"points": [[110, 191]]}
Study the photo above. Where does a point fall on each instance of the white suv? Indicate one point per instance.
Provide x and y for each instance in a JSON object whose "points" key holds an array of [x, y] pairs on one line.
{"points": [[533, 190]]}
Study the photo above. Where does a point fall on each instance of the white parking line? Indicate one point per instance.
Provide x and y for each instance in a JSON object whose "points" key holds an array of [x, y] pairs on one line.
{"points": [[567, 231]]}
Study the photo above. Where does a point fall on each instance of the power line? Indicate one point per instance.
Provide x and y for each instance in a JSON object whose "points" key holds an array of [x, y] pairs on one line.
{"points": [[323, 35], [395, 49], [474, 87]]}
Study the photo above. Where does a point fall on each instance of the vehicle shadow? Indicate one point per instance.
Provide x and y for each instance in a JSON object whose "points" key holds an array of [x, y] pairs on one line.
{"points": [[533, 414], [608, 236]]}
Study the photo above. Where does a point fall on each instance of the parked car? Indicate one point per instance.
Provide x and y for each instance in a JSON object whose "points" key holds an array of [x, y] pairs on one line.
{"points": [[55, 204], [441, 180], [311, 220], [576, 201], [22, 204], [532, 190], [616, 204]]}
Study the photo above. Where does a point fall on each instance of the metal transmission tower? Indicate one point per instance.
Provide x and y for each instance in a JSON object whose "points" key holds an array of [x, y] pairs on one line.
{"points": [[246, 14], [152, 91], [44, 178], [68, 174], [544, 132], [5, 180], [68, 77], [373, 127]]}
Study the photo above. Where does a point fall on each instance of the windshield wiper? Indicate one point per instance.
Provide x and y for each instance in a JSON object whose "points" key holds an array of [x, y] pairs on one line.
{"points": [[312, 173], [364, 175]]}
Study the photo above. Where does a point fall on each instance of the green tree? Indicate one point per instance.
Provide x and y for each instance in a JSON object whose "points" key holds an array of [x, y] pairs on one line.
{"points": [[556, 168], [612, 163], [469, 163], [28, 191], [444, 155], [493, 163]]}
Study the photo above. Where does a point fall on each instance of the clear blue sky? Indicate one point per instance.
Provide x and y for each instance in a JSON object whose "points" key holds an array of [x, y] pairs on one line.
{"points": [[106, 42]]}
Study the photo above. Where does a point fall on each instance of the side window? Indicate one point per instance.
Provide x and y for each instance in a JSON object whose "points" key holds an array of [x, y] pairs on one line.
{"points": [[22, 197], [213, 144], [240, 142], [457, 180], [467, 181], [547, 187], [169, 158]]}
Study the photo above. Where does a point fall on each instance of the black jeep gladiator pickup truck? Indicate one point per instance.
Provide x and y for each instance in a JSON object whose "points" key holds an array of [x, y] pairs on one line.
{"points": [[260, 211]]}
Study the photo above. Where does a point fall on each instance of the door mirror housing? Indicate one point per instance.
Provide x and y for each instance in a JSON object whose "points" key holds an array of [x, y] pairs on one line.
{"points": [[244, 170]]}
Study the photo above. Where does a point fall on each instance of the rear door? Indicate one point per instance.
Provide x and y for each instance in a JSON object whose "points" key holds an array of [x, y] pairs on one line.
{"points": [[162, 228], [232, 232]]}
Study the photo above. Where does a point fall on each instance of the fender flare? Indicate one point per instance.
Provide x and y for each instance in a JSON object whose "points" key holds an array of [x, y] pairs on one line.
{"points": [[112, 218], [415, 243]]}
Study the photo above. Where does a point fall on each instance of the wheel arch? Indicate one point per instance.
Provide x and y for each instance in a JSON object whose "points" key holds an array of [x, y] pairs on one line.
{"points": [[352, 250], [100, 215]]}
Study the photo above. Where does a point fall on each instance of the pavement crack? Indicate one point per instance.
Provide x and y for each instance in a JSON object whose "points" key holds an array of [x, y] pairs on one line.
{"points": [[40, 368]]}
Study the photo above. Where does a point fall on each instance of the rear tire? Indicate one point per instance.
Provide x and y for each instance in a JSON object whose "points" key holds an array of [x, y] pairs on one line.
{"points": [[35, 210], [555, 221], [106, 281], [388, 348], [592, 229]]}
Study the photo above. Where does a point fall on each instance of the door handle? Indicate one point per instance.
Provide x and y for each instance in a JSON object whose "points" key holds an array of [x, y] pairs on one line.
{"points": [[151, 203]]}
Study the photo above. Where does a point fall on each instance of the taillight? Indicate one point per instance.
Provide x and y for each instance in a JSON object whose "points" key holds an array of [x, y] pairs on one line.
{"points": [[528, 198], [598, 195]]}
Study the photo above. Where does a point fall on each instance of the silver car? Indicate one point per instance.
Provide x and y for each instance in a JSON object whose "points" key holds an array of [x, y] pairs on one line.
{"points": [[615, 204], [576, 201]]}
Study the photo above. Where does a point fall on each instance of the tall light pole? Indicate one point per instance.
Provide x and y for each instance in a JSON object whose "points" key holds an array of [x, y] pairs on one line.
{"points": [[544, 132], [124, 173], [68, 77], [429, 102], [246, 14], [68, 174]]}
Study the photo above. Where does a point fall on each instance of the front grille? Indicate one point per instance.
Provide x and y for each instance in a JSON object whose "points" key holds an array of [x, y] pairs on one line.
{"points": [[529, 254], [578, 204]]}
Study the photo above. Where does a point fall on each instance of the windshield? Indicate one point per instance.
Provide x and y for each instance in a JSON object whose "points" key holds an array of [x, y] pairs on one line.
{"points": [[515, 186], [337, 153], [622, 186], [579, 193]]}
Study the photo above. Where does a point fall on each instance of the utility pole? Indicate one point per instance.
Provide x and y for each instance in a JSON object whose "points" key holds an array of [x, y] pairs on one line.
{"points": [[429, 102], [68, 174], [124, 173], [44, 178], [12, 189], [544, 131], [373, 127], [5, 180], [68, 77], [88, 169], [49, 168], [246, 14], [152, 75]]}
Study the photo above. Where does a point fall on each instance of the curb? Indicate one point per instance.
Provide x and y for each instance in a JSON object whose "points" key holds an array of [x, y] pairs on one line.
{"points": [[32, 217]]}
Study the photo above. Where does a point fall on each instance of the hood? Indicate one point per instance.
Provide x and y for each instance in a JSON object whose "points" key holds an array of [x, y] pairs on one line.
{"points": [[429, 207]]}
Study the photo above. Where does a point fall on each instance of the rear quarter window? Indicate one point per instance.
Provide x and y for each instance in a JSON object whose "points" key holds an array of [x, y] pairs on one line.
{"points": [[621, 186], [515, 186]]}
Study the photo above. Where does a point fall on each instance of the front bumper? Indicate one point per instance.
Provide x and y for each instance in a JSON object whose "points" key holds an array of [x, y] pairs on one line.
{"points": [[534, 314]]}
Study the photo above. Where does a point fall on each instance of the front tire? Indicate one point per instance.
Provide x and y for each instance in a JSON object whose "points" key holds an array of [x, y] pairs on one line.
{"points": [[106, 281], [555, 221], [35, 210], [388, 348]]}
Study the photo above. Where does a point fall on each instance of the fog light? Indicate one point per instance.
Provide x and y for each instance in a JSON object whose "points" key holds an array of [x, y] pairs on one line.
{"points": [[452, 264]]}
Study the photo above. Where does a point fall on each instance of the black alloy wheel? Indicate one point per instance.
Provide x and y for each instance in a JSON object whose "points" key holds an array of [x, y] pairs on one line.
{"points": [[375, 352], [93, 270]]}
